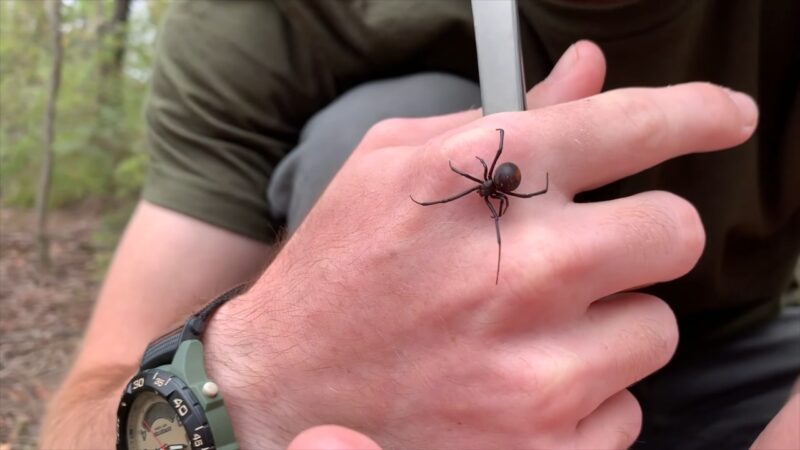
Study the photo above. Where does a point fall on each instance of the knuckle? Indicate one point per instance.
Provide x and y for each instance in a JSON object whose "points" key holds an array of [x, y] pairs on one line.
{"points": [[384, 133], [692, 234], [661, 223], [463, 146], [644, 117], [718, 106], [630, 424], [386, 128], [553, 377], [710, 94], [687, 235], [561, 388], [456, 149], [648, 227], [655, 333], [559, 266], [541, 371]]}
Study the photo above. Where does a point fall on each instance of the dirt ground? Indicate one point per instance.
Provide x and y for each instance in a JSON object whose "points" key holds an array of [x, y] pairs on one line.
{"points": [[42, 314]]}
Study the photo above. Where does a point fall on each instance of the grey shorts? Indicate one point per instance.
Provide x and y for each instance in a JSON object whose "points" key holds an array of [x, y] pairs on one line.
{"points": [[720, 399]]}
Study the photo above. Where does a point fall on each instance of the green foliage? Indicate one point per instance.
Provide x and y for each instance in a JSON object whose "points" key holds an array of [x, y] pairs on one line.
{"points": [[129, 174], [99, 143], [105, 239]]}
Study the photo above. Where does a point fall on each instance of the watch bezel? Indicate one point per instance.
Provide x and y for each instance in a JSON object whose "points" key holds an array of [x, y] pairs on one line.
{"points": [[178, 395]]}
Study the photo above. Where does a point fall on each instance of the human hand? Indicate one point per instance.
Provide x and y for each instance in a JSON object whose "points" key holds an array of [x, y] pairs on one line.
{"points": [[384, 316]]}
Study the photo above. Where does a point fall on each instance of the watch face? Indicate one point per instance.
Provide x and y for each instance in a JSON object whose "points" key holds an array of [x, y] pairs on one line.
{"points": [[159, 412], [154, 425]]}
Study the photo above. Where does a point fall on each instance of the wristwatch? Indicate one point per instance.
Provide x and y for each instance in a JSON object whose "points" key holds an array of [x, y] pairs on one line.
{"points": [[171, 404]]}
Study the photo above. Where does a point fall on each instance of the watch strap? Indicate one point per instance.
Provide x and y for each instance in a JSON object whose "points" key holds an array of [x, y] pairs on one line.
{"points": [[162, 350]]}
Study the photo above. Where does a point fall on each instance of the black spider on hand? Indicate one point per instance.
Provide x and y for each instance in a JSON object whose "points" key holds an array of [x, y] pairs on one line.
{"points": [[498, 185]]}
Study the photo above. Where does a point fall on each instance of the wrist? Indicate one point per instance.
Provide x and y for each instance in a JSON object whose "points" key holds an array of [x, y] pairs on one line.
{"points": [[232, 346]]}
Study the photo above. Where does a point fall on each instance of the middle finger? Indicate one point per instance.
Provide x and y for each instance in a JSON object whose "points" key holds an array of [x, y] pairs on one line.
{"points": [[589, 251]]}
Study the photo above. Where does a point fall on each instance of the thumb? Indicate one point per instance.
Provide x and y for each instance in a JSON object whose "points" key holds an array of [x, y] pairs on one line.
{"points": [[332, 437]]}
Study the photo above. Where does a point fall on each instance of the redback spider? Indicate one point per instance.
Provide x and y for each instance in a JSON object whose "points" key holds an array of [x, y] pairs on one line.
{"points": [[498, 185]]}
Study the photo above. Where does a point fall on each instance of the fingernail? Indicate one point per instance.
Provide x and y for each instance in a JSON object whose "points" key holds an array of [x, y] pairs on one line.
{"points": [[566, 62], [748, 110]]}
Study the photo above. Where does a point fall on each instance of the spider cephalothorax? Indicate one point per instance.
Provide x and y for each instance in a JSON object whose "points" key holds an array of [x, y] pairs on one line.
{"points": [[497, 184]]}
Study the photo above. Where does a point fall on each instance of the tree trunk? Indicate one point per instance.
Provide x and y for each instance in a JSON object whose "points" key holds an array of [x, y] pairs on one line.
{"points": [[100, 16], [43, 193], [119, 27], [112, 37]]}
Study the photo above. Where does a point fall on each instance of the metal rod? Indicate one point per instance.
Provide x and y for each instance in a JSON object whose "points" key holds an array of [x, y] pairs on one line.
{"points": [[502, 78]]}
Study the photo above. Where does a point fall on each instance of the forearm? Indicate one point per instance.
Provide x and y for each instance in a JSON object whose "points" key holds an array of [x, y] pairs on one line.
{"points": [[82, 415], [166, 266]]}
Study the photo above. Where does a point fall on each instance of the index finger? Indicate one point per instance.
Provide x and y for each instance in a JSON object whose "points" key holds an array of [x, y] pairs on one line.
{"points": [[594, 141]]}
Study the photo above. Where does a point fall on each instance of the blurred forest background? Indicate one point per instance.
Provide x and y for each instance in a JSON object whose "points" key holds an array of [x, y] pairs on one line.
{"points": [[73, 79]]}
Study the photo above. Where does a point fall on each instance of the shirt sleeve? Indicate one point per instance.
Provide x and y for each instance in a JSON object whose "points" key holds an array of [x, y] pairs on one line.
{"points": [[234, 82], [228, 97]]}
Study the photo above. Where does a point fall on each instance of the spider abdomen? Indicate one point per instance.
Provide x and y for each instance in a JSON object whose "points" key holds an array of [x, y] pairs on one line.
{"points": [[507, 177]]}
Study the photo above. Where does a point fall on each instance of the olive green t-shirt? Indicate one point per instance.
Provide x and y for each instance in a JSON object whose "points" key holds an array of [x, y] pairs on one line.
{"points": [[234, 82]]}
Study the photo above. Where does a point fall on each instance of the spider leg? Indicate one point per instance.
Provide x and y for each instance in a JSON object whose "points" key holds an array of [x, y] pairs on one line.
{"points": [[496, 218], [499, 151], [485, 169], [503, 203], [448, 199], [533, 194], [463, 174]]}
